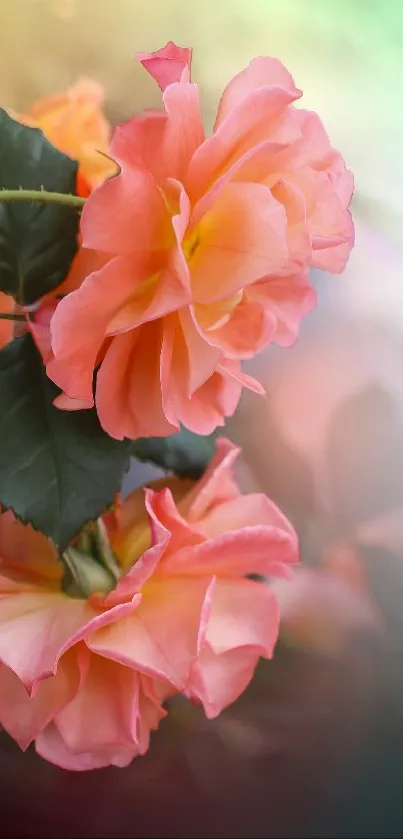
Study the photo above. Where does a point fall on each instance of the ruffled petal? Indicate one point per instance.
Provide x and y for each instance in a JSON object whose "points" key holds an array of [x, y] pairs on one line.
{"points": [[137, 143], [216, 486], [168, 516], [162, 639], [244, 613], [232, 370], [168, 65], [314, 150], [161, 143], [80, 322], [25, 550], [260, 549], [187, 360], [240, 240], [24, 716], [286, 299], [243, 626], [263, 115], [139, 569], [328, 222], [209, 405], [103, 714], [249, 328], [169, 287], [50, 745], [184, 131], [298, 238], [130, 369], [49, 621], [260, 73], [138, 208], [252, 510], [218, 680]]}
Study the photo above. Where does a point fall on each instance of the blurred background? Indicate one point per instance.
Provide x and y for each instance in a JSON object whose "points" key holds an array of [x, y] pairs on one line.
{"points": [[315, 747]]}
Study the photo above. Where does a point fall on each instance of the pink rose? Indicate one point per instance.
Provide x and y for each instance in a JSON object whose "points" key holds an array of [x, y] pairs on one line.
{"points": [[197, 253], [86, 676]]}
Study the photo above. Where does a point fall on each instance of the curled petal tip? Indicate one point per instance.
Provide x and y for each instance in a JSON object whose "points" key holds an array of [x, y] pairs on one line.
{"points": [[167, 65]]}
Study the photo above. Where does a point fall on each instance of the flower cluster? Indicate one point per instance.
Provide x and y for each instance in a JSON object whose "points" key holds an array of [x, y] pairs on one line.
{"points": [[122, 333]]}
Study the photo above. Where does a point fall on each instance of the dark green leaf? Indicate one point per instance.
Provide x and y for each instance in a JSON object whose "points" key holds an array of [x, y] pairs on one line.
{"points": [[186, 454], [37, 240], [58, 469]]}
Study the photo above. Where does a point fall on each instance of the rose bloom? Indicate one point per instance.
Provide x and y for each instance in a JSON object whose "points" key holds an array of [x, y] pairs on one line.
{"points": [[86, 677], [73, 121], [196, 255]]}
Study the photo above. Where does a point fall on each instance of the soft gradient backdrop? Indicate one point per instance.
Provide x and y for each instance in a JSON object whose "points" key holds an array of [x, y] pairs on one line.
{"points": [[327, 443]]}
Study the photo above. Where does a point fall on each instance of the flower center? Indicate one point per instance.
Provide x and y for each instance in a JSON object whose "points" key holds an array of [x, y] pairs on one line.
{"points": [[190, 245], [130, 546], [211, 316]]}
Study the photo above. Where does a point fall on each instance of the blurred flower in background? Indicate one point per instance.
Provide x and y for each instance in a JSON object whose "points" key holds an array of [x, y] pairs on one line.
{"points": [[74, 122]]}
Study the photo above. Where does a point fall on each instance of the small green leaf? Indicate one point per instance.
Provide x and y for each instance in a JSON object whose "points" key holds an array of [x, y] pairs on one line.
{"points": [[58, 469], [186, 454], [37, 240]]}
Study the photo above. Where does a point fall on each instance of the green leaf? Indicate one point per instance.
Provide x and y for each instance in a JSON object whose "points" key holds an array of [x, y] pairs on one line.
{"points": [[58, 469], [37, 240], [186, 454]]}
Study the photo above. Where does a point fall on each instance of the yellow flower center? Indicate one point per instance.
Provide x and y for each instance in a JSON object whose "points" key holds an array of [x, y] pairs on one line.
{"points": [[133, 545], [190, 245], [213, 315]]}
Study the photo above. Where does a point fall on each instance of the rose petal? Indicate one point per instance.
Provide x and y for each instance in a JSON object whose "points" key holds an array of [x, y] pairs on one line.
{"points": [[217, 484], [79, 324], [244, 613], [50, 745], [262, 116], [167, 65], [24, 549], [23, 716], [103, 714], [261, 72], [48, 620], [240, 240], [288, 299], [162, 638], [218, 680], [130, 369], [259, 549]]}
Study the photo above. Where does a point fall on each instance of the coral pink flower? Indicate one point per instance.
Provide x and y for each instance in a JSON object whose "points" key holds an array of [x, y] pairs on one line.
{"points": [[85, 677], [74, 122], [200, 250]]}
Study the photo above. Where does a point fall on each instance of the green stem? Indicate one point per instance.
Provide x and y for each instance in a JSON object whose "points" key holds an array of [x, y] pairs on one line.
{"points": [[41, 195], [4, 316]]}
